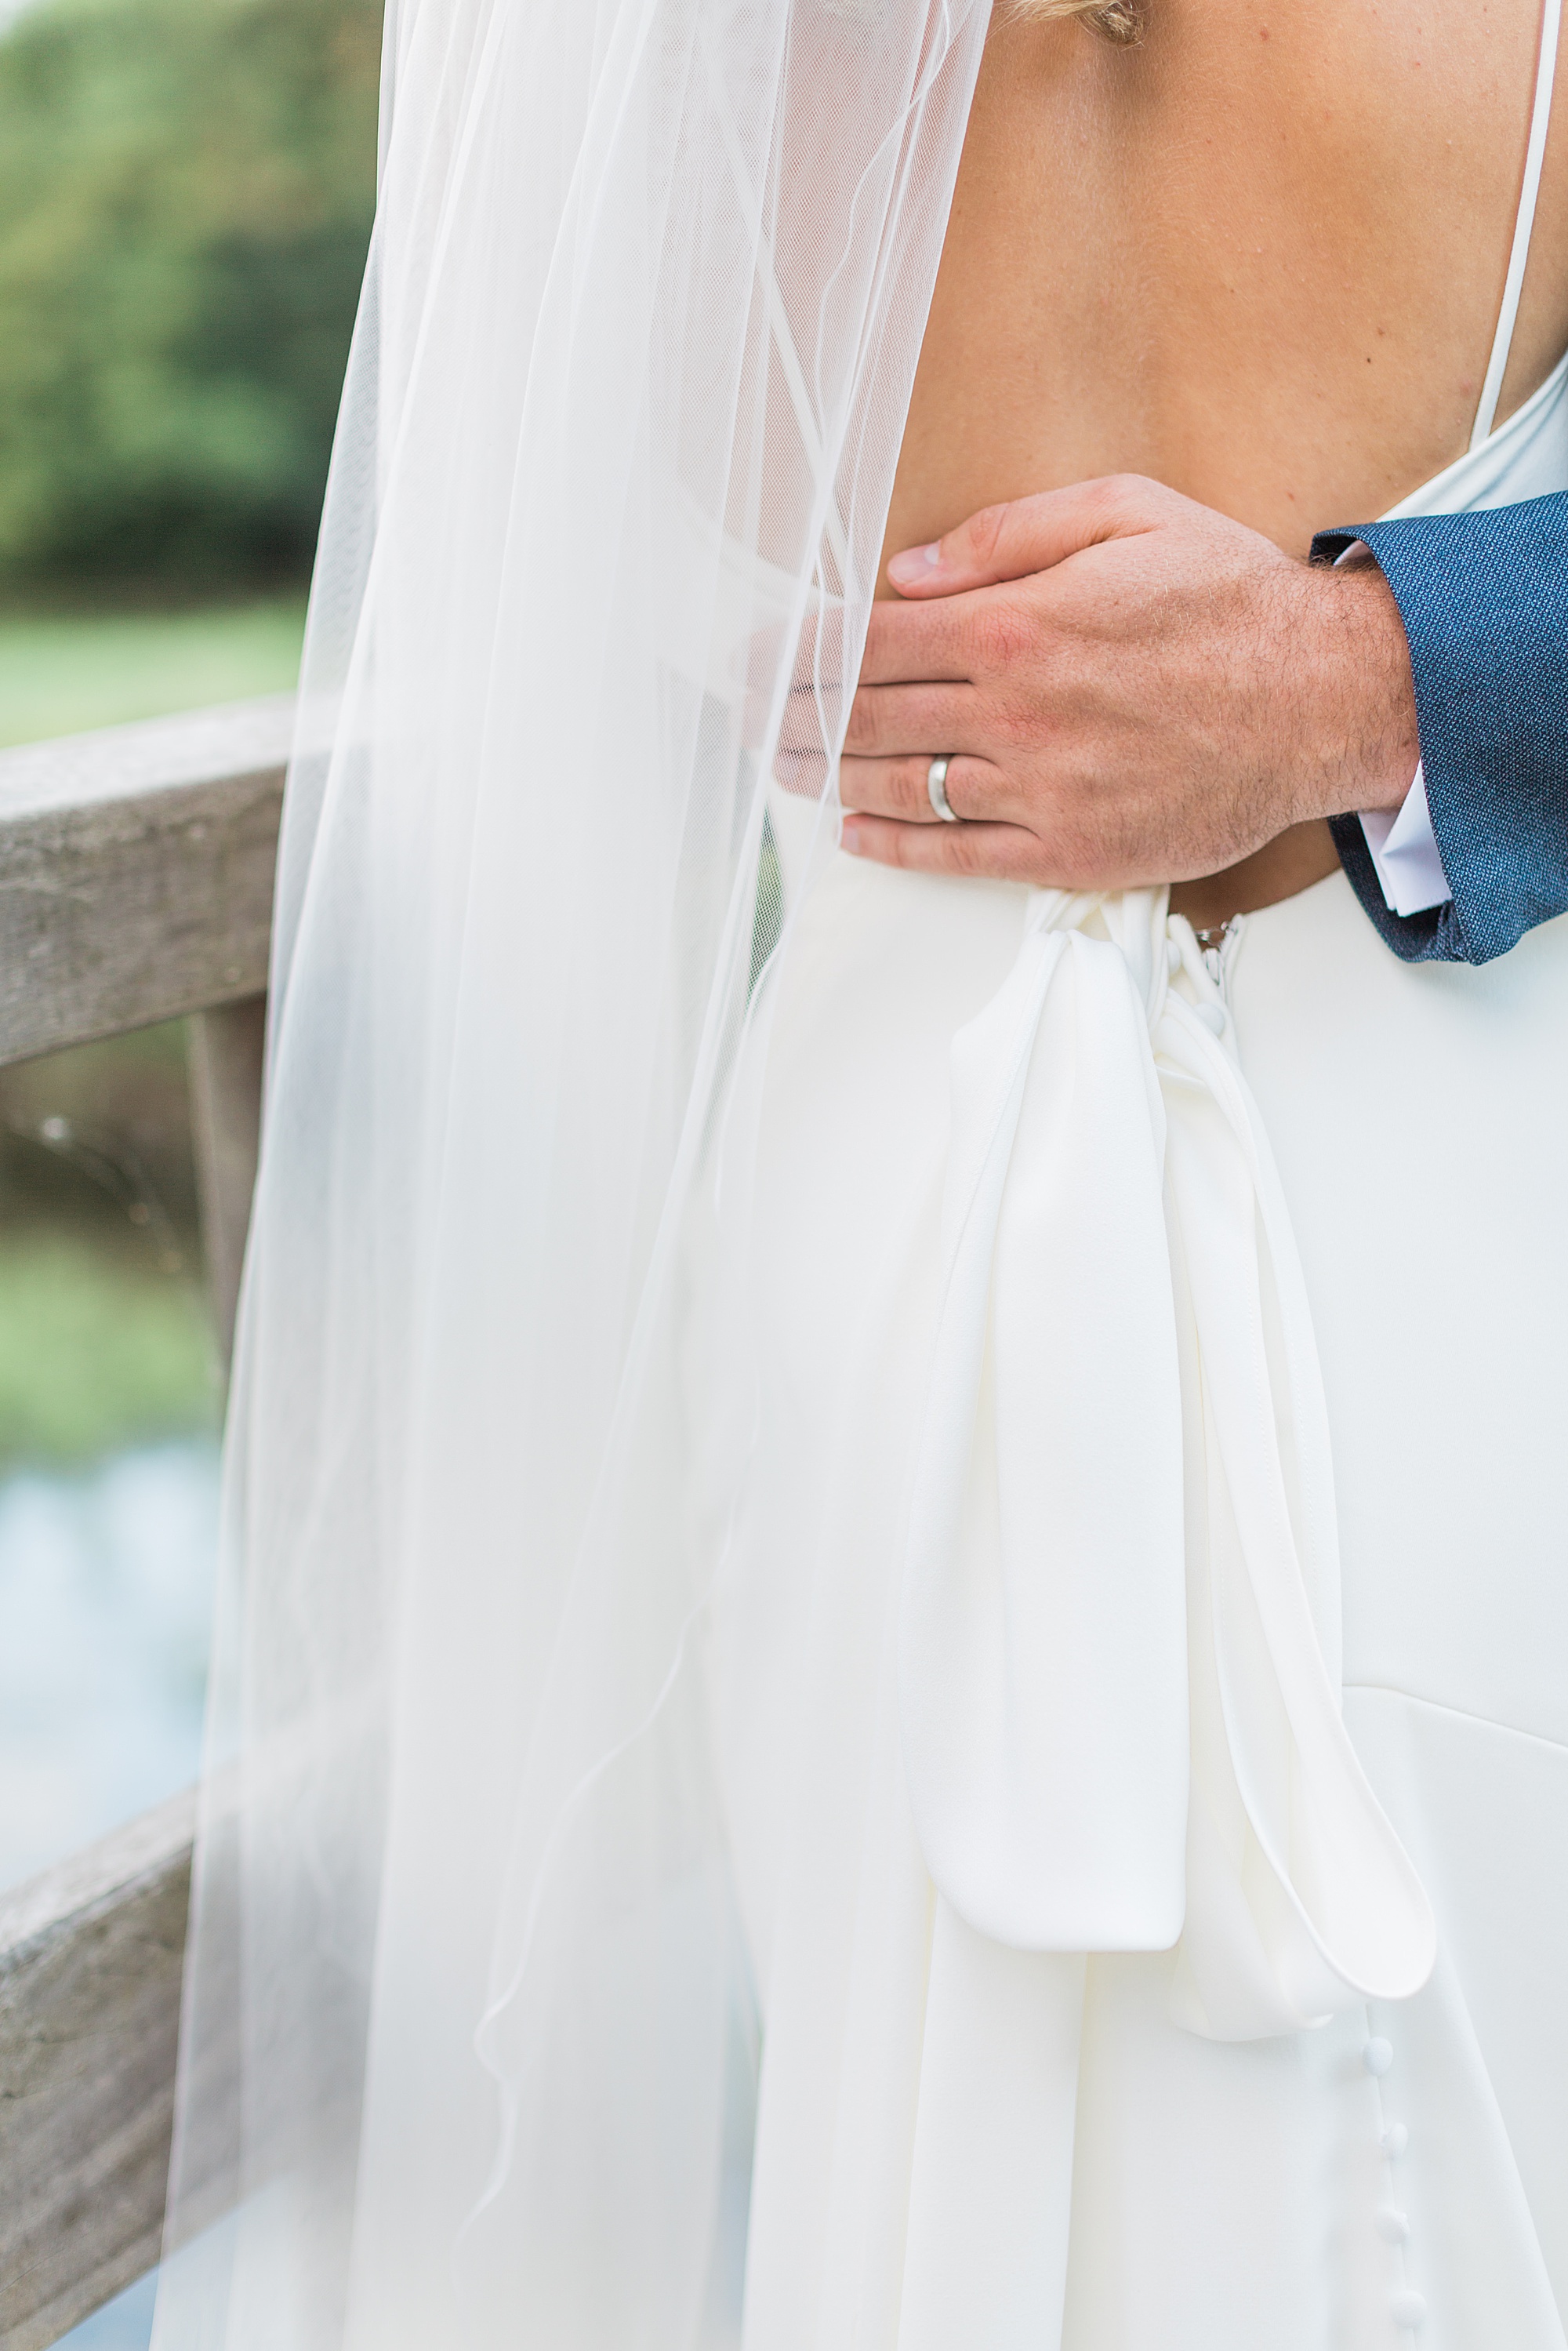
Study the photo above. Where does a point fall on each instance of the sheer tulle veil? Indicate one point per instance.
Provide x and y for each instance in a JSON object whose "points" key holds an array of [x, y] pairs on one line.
{"points": [[467, 2044]]}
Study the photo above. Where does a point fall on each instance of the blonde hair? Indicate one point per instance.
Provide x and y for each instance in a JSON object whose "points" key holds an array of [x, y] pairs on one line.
{"points": [[1114, 20]]}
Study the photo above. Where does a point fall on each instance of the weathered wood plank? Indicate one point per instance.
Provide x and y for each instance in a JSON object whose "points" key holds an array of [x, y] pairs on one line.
{"points": [[89, 2000], [226, 1053], [136, 876], [136, 873]]}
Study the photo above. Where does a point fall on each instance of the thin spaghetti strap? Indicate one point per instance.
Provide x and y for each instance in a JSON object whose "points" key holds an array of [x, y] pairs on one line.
{"points": [[1534, 155]]}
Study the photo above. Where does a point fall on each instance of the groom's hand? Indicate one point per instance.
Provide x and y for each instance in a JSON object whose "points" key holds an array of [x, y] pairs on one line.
{"points": [[1128, 688]]}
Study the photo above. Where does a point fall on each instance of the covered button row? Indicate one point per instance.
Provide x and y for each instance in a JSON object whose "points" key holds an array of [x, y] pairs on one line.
{"points": [[1406, 2307]]}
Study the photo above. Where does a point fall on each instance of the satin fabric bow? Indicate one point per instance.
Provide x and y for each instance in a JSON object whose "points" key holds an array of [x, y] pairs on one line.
{"points": [[1119, 1653]]}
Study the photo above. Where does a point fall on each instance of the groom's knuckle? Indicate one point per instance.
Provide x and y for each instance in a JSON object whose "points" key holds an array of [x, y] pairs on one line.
{"points": [[1004, 636], [1111, 499], [1127, 501], [983, 535], [1016, 724], [907, 783], [971, 853], [860, 735]]}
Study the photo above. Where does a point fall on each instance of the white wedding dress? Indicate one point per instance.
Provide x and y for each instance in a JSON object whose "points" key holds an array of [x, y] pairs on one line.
{"points": [[1081, 1652], [1160, 1934]]}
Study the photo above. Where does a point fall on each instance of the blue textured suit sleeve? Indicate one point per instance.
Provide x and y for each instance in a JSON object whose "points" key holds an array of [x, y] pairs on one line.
{"points": [[1484, 599]]}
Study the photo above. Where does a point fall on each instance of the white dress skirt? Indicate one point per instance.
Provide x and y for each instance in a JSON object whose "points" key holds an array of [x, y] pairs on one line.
{"points": [[1141, 1672]]}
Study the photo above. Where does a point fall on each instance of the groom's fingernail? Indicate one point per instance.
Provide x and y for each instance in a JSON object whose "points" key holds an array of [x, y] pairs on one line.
{"points": [[904, 570]]}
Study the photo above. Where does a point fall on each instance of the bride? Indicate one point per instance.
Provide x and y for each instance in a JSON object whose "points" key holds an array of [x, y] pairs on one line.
{"points": [[892, 1662]]}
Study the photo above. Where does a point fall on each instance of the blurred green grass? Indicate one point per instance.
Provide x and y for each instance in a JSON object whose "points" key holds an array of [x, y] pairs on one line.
{"points": [[105, 1340], [62, 672], [94, 1356]]}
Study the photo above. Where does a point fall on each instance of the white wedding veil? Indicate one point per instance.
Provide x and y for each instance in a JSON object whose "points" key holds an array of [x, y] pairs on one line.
{"points": [[468, 2043]]}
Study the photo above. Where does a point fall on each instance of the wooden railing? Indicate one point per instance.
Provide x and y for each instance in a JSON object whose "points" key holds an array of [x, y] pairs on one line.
{"points": [[136, 873]]}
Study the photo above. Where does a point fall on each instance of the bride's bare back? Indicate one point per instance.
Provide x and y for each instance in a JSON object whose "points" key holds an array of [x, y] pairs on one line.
{"points": [[1257, 257]]}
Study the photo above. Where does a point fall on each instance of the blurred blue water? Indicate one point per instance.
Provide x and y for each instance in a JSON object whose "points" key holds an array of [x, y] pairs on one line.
{"points": [[123, 2325], [105, 1602]]}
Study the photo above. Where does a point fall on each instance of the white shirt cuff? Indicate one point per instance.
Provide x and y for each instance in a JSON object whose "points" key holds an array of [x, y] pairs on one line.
{"points": [[1405, 851], [1402, 845]]}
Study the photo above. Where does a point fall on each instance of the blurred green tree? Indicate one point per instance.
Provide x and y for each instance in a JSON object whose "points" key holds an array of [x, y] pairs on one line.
{"points": [[186, 189]]}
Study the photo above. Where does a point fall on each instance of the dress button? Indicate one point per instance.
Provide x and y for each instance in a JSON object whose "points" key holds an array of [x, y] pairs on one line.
{"points": [[1407, 2309], [1378, 2055], [1395, 2139], [1211, 1016], [1392, 2224]]}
